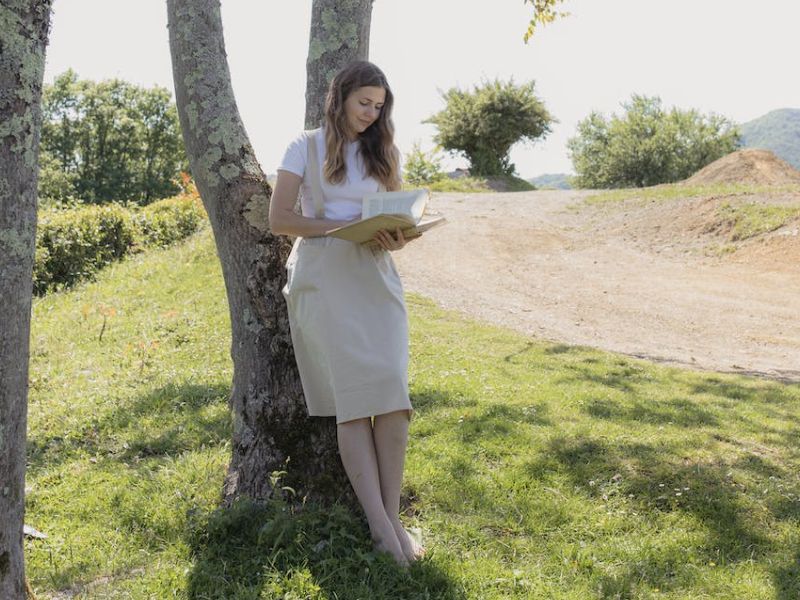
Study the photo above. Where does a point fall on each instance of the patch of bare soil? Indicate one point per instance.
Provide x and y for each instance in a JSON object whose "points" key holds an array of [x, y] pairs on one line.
{"points": [[658, 280], [749, 165]]}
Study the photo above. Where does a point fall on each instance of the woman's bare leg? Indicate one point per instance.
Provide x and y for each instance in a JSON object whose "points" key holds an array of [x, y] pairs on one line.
{"points": [[357, 449], [390, 433]]}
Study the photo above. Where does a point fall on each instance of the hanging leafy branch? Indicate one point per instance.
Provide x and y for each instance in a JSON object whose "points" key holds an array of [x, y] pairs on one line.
{"points": [[544, 12]]}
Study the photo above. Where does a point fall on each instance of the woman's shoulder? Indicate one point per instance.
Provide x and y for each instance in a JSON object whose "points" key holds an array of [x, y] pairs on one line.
{"points": [[295, 156]]}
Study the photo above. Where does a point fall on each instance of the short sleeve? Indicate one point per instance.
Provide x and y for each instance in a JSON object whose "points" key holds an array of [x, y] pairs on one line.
{"points": [[296, 156]]}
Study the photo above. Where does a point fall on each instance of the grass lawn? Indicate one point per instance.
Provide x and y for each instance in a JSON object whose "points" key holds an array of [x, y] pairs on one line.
{"points": [[535, 470]]}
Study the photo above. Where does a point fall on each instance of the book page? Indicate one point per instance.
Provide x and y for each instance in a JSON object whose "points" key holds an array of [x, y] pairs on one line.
{"points": [[411, 203]]}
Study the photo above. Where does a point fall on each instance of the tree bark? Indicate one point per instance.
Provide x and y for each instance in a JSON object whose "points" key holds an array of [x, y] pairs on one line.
{"points": [[271, 430], [339, 35], [24, 28]]}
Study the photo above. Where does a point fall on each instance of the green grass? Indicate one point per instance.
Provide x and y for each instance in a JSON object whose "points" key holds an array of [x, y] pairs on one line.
{"points": [[674, 191], [476, 185], [535, 470], [750, 219], [461, 184]]}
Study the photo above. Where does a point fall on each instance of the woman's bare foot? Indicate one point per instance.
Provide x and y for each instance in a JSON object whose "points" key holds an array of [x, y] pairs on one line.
{"points": [[411, 547], [389, 543]]}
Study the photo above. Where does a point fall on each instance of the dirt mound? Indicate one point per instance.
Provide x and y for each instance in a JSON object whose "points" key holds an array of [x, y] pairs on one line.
{"points": [[751, 166]]}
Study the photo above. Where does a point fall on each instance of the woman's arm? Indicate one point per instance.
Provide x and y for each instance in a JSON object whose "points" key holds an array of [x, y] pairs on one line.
{"points": [[282, 218]]}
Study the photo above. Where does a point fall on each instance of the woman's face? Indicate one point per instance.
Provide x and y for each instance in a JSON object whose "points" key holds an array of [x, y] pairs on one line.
{"points": [[363, 107]]}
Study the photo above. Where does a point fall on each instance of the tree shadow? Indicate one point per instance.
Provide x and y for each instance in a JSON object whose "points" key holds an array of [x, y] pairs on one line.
{"points": [[165, 435], [429, 400], [663, 479], [274, 550], [786, 576], [676, 411]]}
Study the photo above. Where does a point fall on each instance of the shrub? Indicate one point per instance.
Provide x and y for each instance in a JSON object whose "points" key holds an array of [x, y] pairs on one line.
{"points": [[423, 168], [647, 145], [72, 244], [167, 221]]}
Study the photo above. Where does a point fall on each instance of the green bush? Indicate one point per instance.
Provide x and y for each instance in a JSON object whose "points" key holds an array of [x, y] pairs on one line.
{"points": [[72, 244], [648, 145], [167, 221], [422, 168]]}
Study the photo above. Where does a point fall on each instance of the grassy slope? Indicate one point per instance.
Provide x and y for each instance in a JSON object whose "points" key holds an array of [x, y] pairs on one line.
{"points": [[535, 470], [746, 218]]}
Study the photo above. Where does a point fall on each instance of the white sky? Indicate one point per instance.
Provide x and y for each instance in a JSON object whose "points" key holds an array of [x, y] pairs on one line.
{"points": [[731, 57]]}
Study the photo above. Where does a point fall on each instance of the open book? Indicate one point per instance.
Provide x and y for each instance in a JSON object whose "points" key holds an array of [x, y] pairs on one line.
{"points": [[390, 210]]}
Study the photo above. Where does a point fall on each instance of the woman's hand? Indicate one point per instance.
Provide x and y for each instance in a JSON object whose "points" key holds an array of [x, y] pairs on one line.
{"points": [[389, 242]]}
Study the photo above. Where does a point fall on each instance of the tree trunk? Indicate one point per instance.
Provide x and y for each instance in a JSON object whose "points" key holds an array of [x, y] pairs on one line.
{"points": [[24, 27], [271, 429], [339, 35]]}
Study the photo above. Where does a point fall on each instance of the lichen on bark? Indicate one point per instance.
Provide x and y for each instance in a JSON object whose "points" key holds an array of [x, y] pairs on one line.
{"points": [[256, 212]]}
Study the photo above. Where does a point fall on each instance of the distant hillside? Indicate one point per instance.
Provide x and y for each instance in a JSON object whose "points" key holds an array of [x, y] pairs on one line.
{"points": [[558, 181], [778, 131]]}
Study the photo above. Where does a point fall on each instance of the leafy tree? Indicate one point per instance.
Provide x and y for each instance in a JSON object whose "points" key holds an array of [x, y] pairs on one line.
{"points": [[486, 123], [56, 185], [647, 145], [113, 141]]}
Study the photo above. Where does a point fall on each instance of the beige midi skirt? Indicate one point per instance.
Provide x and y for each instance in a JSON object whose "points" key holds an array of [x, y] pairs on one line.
{"points": [[349, 328]]}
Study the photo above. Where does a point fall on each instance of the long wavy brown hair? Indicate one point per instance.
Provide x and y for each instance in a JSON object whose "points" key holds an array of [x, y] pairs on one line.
{"points": [[381, 156]]}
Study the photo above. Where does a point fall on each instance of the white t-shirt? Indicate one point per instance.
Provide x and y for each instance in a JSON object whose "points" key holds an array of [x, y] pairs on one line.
{"points": [[342, 201]]}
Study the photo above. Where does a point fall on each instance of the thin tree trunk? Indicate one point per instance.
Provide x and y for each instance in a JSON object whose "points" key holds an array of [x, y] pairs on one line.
{"points": [[339, 35], [24, 28], [271, 429]]}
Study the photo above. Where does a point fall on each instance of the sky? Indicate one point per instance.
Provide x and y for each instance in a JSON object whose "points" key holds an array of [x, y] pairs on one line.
{"points": [[728, 57]]}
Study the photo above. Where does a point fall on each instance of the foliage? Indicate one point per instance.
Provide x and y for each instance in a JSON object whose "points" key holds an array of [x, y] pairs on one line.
{"points": [[647, 145], [752, 219], [167, 221], [111, 141], [484, 124], [535, 470], [544, 12], [71, 245], [777, 131], [422, 168], [56, 185], [73, 242]]}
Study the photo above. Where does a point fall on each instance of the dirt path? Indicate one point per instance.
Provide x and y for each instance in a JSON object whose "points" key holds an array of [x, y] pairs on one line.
{"points": [[635, 278]]}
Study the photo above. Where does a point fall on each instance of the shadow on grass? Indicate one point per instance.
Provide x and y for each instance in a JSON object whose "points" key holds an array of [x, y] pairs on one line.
{"points": [[721, 497], [272, 551], [430, 400], [677, 411], [166, 421], [730, 498], [659, 480]]}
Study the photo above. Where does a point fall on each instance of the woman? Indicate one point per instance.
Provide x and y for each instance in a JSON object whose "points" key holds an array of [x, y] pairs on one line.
{"points": [[346, 308]]}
